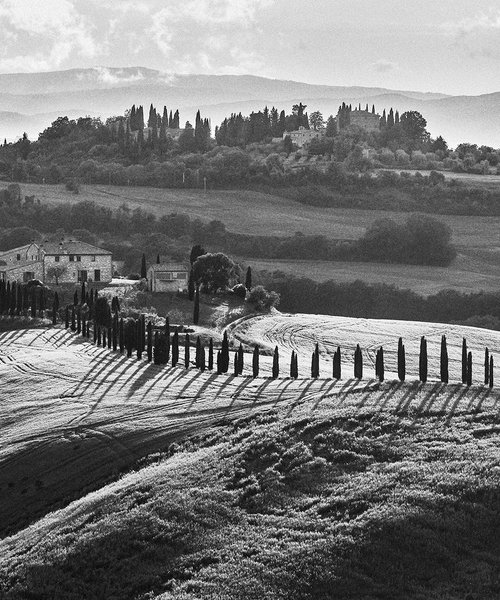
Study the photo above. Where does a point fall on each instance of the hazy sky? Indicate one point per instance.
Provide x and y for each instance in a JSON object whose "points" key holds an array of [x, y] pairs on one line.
{"points": [[451, 46]]}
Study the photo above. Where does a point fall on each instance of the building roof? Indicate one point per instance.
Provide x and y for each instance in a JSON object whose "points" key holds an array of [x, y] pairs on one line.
{"points": [[18, 249], [168, 267], [71, 247]]}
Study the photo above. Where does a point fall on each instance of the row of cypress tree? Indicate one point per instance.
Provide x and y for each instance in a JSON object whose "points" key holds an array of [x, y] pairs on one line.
{"points": [[134, 334]]}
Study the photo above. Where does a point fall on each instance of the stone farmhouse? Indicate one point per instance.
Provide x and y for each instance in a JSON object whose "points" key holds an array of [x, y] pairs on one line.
{"points": [[168, 277], [302, 136], [51, 262]]}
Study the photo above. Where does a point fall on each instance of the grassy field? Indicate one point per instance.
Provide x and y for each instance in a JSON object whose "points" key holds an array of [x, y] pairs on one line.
{"points": [[255, 489], [470, 272], [256, 213], [477, 238]]}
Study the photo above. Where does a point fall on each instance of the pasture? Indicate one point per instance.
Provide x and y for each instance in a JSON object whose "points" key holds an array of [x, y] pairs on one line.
{"points": [[477, 266], [74, 414]]}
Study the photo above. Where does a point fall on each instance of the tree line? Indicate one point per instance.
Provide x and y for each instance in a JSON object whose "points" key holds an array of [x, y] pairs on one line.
{"points": [[135, 335]]}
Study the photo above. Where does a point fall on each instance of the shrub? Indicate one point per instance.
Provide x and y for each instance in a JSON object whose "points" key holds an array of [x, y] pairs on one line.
{"points": [[262, 299]]}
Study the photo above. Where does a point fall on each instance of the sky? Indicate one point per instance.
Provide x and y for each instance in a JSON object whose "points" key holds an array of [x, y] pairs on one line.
{"points": [[448, 46]]}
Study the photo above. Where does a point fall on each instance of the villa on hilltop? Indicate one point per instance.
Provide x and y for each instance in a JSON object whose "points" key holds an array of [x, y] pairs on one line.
{"points": [[303, 136], [52, 262]]}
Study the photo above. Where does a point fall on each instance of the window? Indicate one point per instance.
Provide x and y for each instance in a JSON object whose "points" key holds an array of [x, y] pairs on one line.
{"points": [[18, 257], [181, 275], [97, 274], [28, 276], [93, 258], [78, 258], [56, 258], [82, 275], [71, 258]]}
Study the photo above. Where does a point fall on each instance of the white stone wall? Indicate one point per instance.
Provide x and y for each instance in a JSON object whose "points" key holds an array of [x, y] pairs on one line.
{"points": [[86, 263], [17, 273]]}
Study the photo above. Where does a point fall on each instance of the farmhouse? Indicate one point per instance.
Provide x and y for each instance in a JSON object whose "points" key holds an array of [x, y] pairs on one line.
{"points": [[302, 136], [52, 262], [168, 277]]}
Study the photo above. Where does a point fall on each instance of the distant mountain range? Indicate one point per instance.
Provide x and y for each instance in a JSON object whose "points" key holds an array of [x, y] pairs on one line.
{"points": [[31, 101]]}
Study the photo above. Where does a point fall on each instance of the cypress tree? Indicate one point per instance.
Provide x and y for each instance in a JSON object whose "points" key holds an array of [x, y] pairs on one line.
{"points": [[73, 324], [225, 353], [248, 279], [444, 360], [84, 325], [78, 322], [486, 366], [236, 364], [276, 363], [138, 338], [33, 303], [211, 355], [142, 338], [198, 352], [381, 366], [104, 337], [377, 363], [186, 351], [191, 286], [401, 360], [115, 332], [157, 259], [469, 369], [175, 348], [296, 367], [219, 362], [55, 308], [75, 298], [160, 349], [196, 311], [337, 366], [121, 341], [94, 331], [110, 329], [464, 361], [255, 362], [491, 371], [149, 329], [202, 359], [99, 338], [316, 361], [66, 317], [144, 271], [358, 363], [293, 374], [241, 359], [88, 330], [422, 363]]}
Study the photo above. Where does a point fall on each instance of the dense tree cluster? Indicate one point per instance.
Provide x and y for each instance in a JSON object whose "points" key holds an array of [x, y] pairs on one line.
{"points": [[260, 126]]}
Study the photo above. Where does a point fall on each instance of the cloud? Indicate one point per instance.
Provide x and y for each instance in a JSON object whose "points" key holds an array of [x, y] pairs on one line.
{"points": [[384, 66], [53, 27], [223, 11], [483, 21]]}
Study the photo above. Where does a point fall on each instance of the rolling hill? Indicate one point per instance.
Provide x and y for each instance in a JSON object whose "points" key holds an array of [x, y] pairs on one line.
{"points": [[110, 91], [255, 488]]}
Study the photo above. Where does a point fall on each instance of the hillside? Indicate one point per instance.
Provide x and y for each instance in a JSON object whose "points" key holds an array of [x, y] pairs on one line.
{"points": [[105, 91], [93, 412], [307, 489], [477, 238]]}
